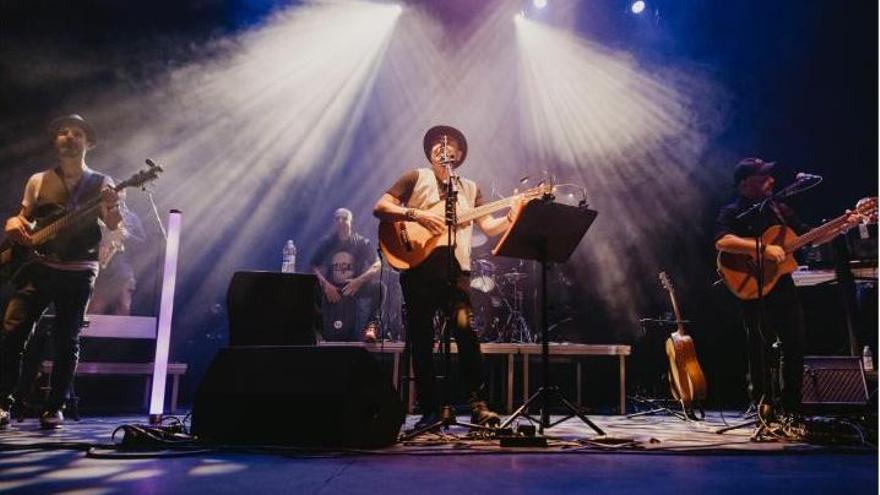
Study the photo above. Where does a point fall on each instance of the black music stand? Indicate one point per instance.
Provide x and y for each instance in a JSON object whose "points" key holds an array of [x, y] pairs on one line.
{"points": [[546, 232]]}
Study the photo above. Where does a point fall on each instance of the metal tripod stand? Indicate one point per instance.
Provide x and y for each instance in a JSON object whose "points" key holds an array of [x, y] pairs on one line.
{"points": [[546, 231]]}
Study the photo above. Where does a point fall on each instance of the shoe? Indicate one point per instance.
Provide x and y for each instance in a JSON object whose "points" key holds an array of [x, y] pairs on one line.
{"points": [[426, 420], [51, 419], [482, 415], [4, 418]]}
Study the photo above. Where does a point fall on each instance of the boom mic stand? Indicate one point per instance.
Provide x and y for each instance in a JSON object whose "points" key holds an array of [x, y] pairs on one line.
{"points": [[764, 410], [447, 411]]}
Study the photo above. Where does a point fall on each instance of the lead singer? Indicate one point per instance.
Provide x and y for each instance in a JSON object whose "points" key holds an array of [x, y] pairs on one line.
{"points": [[425, 285]]}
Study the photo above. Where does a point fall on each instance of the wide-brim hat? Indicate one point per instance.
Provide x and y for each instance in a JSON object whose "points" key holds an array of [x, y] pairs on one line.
{"points": [[73, 119], [748, 167], [435, 135]]}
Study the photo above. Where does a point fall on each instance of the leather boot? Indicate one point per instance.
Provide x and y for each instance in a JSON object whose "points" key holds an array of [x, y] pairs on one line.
{"points": [[482, 415]]}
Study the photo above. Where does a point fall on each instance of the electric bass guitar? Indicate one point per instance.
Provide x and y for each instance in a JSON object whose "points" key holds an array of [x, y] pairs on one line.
{"points": [[406, 244], [14, 257], [740, 271], [686, 380]]}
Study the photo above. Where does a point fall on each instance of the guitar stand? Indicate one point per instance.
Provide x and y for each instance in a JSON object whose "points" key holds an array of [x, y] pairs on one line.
{"points": [[682, 415]]}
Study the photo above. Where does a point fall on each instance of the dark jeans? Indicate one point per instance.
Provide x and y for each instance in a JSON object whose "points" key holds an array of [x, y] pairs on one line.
{"points": [[39, 287], [425, 291], [783, 319]]}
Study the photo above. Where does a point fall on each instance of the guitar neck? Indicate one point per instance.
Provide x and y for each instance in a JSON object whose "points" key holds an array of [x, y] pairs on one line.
{"points": [[49, 231], [816, 233], [486, 209], [676, 311]]}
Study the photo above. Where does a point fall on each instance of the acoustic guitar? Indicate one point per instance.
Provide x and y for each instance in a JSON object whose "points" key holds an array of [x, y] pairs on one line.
{"points": [[740, 271], [686, 380], [55, 222], [406, 244]]}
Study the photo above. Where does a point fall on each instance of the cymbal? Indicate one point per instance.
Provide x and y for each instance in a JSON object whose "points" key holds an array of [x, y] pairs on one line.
{"points": [[478, 239]]}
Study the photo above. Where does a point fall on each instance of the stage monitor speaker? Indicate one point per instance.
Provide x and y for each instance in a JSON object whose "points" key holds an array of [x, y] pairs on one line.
{"points": [[272, 308], [834, 383], [297, 396]]}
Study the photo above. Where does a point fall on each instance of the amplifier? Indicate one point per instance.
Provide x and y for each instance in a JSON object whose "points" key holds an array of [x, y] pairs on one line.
{"points": [[834, 382]]}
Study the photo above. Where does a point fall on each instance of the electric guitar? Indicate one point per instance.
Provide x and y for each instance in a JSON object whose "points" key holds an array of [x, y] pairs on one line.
{"points": [[740, 271], [14, 257], [406, 244], [686, 380]]}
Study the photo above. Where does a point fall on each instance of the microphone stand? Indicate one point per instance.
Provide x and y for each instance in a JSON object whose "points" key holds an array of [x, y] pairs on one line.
{"points": [[761, 414], [447, 411]]}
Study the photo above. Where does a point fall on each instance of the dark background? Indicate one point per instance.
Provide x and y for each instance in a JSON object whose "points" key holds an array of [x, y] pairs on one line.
{"points": [[802, 80]]}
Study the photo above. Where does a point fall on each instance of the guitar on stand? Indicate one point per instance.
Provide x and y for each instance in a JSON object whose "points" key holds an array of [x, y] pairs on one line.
{"points": [[686, 380]]}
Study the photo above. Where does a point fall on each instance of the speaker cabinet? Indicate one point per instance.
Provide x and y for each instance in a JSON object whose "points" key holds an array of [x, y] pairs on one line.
{"points": [[272, 308], [298, 396], [834, 383]]}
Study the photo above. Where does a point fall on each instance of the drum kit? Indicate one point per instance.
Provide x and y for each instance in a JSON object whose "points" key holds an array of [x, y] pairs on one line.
{"points": [[497, 300]]}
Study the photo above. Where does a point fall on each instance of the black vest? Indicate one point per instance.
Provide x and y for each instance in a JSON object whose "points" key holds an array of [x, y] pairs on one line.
{"points": [[81, 240]]}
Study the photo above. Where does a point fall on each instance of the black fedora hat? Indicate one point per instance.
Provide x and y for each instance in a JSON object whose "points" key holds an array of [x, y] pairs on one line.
{"points": [[435, 135], [75, 120]]}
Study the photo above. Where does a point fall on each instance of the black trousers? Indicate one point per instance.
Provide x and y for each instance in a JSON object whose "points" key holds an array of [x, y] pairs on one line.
{"points": [[40, 286], [776, 369], [425, 291]]}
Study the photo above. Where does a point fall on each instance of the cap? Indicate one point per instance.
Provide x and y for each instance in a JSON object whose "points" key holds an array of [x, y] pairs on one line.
{"points": [[748, 167]]}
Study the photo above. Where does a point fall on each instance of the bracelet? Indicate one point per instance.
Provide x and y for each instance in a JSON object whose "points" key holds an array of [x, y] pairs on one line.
{"points": [[410, 214]]}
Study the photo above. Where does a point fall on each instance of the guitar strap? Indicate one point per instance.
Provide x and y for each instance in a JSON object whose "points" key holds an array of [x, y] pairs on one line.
{"points": [[85, 183], [777, 212]]}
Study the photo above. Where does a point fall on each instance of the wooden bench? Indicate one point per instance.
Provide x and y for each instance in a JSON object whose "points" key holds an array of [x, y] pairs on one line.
{"points": [[573, 352], [176, 370]]}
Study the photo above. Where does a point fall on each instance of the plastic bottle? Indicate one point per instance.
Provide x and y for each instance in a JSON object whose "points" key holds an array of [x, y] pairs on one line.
{"points": [[288, 257], [867, 359]]}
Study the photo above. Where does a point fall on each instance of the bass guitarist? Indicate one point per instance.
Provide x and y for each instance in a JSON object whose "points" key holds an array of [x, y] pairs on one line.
{"points": [[781, 331], [65, 271], [425, 287]]}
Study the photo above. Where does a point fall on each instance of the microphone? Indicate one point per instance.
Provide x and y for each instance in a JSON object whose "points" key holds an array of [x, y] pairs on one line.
{"points": [[802, 176]]}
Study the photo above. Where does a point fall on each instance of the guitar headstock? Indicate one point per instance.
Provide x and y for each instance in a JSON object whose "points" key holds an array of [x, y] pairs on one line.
{"points": [[866, 208], [141, 178], [665, 281]]}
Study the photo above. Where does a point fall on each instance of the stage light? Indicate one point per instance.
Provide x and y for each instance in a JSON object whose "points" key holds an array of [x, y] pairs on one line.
{"points": [[638, 7], [539, 4], [633, 134]]}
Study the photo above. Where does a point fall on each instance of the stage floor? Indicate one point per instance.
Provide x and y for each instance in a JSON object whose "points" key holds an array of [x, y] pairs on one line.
{"points": [[654, 454]]}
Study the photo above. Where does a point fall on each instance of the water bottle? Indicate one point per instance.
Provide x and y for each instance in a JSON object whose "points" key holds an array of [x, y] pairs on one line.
{"points": [[867, 359], [288, 257]]}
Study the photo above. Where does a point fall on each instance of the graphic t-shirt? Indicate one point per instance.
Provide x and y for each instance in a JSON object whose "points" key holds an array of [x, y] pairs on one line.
{"points": [[343, 260]]}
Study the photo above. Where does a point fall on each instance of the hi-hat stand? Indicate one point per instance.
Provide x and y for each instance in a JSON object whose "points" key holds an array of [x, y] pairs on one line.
{"points": [[546, 232]]}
